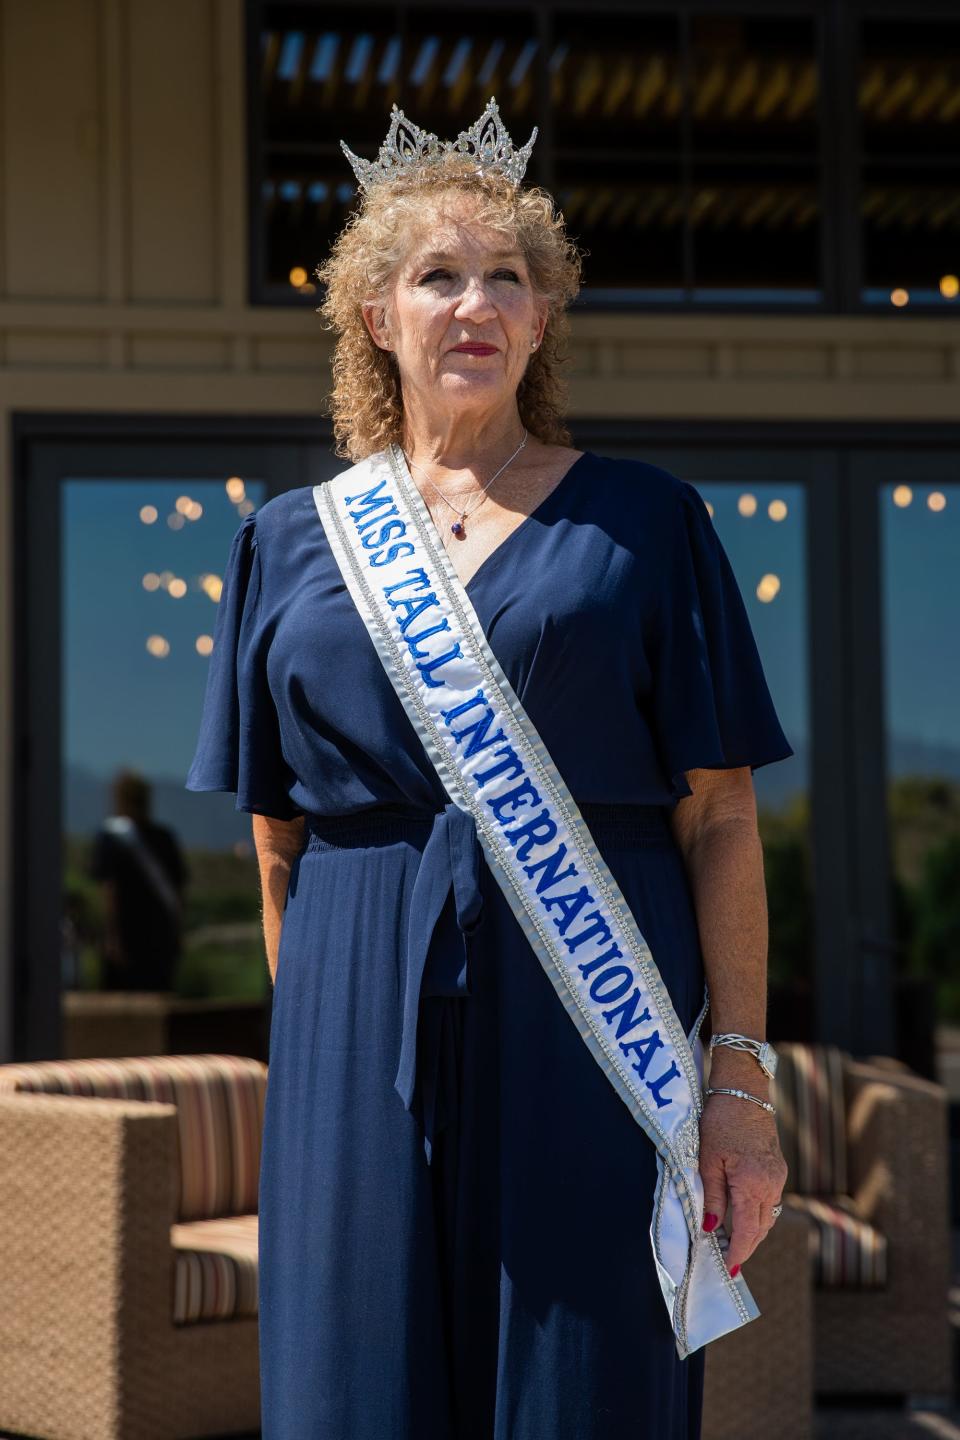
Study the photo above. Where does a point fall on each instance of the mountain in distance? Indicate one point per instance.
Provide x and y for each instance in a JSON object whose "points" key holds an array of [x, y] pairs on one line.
{"points": [[207, 820], [211, 820]]}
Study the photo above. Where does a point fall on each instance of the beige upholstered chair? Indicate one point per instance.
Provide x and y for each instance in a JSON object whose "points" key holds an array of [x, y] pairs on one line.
{"points": [[867, 1147], [128, 1247], [866, 1216], [759, 1378]]}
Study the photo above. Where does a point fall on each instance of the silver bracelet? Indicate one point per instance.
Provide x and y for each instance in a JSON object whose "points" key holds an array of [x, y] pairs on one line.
{"points": [[744, 1095], [761, 1050]]}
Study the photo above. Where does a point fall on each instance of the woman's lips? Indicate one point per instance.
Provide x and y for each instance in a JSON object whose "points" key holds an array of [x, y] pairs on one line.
{"points": [[477, 349]]}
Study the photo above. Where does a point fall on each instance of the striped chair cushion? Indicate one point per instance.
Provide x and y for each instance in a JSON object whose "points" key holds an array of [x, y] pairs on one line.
{"points": [[847, 1253], [219, 1100], [811, 1117], [215, 1269]]}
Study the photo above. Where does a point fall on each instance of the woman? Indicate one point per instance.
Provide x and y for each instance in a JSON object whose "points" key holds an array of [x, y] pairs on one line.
{"points": [[471, 1258]]}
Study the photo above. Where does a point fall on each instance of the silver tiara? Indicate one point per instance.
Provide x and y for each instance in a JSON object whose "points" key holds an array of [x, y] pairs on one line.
{"points": [[407, 146]]}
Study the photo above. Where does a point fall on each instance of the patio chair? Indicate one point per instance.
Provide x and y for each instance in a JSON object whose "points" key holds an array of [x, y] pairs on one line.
{"points": [[128, 1247], [759, 1378], [866, 1142]]}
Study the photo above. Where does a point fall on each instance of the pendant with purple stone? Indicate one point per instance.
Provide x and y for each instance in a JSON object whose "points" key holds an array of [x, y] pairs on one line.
{"points": [[458, 530]]}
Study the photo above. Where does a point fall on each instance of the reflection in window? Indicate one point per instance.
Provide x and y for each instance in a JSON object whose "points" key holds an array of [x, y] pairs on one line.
{"points": [[143, 563], [909, 100], [920, 530], [762, 526], [327, 75], [687, 157], [683, 151], [754, 160]]}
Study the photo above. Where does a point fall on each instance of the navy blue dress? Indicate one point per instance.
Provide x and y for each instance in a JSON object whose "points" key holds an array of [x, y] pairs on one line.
{"points": [[473, 1261]]}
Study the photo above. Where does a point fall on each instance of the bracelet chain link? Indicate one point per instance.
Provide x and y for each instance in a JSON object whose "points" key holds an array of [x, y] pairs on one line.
{"points": [[743, 1094]]}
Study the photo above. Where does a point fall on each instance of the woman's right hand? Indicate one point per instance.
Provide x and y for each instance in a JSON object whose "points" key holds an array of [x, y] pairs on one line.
{"points": [[277, 843]]}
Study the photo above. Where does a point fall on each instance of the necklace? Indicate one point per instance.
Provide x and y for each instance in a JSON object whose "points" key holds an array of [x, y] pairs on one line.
{"points": [[458, 527]]}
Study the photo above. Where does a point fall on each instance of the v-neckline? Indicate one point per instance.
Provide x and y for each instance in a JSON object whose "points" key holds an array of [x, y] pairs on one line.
{"points": [[534, 513]]}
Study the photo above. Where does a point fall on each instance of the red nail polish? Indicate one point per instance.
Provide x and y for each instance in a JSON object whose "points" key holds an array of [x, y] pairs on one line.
{"points": [[734, 1270], [710, 1221]]}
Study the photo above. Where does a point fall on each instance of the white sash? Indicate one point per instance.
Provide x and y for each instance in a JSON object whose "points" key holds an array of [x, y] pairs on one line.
{"points": [[494, 767]]}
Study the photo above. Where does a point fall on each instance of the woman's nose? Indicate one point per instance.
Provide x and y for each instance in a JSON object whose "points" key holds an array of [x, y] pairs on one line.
{"points": [[475, 299]]}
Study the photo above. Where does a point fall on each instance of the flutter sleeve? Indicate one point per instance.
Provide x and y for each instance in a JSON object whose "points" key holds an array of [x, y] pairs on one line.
{"points": [[712, 708], [238, 746]]}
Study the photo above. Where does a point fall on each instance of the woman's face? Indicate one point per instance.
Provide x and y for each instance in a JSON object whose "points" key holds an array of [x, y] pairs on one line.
{"points": [[460, 286]]}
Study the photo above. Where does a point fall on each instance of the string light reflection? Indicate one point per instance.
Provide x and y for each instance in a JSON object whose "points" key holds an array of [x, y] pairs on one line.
{"points": [[186, 508]]}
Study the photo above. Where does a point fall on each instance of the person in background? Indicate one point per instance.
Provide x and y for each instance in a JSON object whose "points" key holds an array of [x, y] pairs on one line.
{"points": [[142, 872]]}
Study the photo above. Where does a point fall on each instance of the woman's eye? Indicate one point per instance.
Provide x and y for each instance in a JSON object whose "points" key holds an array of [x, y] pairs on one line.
{"points": [[436, 274]]}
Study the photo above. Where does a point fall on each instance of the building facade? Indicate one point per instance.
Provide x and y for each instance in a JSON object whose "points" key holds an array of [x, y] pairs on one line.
{"points": [[768, 197]]}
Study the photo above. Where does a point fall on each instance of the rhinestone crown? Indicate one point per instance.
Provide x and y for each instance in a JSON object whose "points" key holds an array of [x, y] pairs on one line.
{"points": [[406, 146]]}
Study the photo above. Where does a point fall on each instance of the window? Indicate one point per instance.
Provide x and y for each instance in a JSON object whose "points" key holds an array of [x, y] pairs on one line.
{"points": [[326, 75], [686, 155], [773, 156], [909, 99], [919, 503]]}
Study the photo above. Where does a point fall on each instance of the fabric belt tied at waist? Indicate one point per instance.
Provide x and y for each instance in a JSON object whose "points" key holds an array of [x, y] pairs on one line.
{"points": [[446, 908]]}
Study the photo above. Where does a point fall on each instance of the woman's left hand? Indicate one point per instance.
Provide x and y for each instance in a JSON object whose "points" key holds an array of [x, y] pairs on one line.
{"points": [[740, 1163]]}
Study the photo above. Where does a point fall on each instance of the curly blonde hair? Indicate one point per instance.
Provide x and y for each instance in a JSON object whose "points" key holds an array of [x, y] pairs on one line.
{"points": [[366, 402]]}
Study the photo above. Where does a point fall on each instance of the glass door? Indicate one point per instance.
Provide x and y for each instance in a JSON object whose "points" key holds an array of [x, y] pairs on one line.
{"points": [[759, 506], [159, 892], [139, 899], [916, 498]]}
